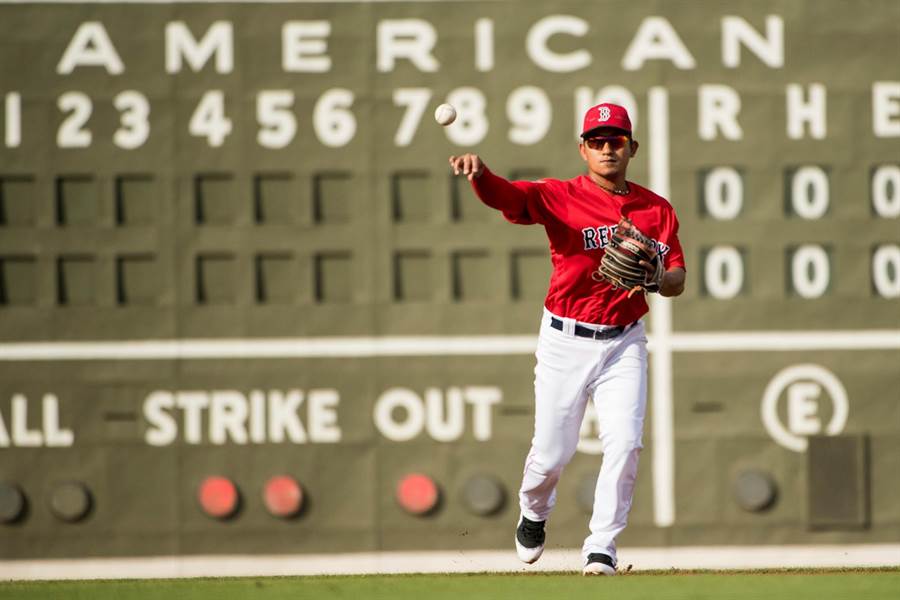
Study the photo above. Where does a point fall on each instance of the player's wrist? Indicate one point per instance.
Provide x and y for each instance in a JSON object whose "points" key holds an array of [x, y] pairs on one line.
{"points": [[656, 279], [673, 283]]}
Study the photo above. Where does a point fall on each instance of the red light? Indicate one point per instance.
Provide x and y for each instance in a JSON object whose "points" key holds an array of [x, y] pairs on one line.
{"points": [[283, 496], [417, 494], [218, 497]]}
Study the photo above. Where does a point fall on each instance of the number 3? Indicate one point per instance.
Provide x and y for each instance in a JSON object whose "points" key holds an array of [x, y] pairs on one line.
{"points": [[135, 127]]}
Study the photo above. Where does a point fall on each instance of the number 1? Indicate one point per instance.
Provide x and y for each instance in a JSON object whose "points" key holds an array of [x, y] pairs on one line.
{"points": [[13, 120]]}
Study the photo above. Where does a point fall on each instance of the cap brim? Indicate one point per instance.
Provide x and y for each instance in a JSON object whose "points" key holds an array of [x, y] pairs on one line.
{"points": [[590, 132]]}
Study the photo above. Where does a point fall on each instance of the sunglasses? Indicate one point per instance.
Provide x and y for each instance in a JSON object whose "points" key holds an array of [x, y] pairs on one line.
{"points": [[616, 142]]}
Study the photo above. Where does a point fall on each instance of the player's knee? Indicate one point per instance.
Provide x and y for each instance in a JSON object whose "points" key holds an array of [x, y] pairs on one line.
{"points": [[623, 446], [551, 461]]}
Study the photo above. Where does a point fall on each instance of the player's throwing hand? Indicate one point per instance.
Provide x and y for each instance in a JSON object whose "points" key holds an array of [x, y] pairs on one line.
{"points": [[469, 165]]}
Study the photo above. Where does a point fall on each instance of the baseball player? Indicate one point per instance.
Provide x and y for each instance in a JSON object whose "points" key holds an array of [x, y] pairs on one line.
{"points": [[611, 241]]}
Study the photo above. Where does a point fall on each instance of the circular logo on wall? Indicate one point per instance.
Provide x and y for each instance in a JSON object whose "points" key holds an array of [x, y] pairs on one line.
{"points": [[808, 390]]}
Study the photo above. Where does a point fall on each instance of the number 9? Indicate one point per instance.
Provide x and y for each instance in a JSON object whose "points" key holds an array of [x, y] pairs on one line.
{"points": [[528, 109]]}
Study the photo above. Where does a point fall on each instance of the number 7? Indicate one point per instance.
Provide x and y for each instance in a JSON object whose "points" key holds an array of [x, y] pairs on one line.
{"points": [[415, 100]]}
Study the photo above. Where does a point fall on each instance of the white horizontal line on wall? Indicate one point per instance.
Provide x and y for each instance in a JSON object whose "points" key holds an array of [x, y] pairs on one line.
{"points": [[235, 1], [328, 347], [501, 561], [366, 347], [872, 339]]}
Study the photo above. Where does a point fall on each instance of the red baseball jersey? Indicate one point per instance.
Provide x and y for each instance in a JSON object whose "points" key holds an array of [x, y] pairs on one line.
{"points": [[579, 217]]}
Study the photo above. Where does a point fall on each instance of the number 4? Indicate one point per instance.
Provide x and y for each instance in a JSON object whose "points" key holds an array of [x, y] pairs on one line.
{"points": [[209, 119]]}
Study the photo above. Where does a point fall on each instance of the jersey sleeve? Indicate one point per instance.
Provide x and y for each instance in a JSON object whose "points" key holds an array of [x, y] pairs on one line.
{"points": [[521, 202], [675, 256]]}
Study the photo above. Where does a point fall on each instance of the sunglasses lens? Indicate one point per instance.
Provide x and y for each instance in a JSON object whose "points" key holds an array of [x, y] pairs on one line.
{"points": [[616, 142]]}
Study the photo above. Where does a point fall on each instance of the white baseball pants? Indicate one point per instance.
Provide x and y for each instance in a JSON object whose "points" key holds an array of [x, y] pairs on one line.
{"points": [[612, 373]]}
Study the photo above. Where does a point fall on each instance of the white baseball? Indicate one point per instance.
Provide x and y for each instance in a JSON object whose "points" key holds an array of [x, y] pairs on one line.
{"points": [[445, 114]]}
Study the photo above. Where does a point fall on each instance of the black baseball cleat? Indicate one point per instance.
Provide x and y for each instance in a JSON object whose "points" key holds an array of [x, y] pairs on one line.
{"points": [[530, 539], [599, 564]]}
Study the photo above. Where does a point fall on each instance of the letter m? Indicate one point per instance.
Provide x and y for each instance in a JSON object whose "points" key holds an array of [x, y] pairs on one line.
{"points": [[180, 44]]}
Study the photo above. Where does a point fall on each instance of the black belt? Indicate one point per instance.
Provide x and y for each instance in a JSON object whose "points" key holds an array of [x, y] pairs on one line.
{"points": [[586, 332]]}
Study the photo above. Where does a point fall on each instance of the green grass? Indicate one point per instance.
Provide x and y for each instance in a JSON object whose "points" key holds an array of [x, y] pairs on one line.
{"points": [[863, 584]]}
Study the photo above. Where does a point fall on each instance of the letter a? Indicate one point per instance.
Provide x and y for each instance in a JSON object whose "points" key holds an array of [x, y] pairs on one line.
{"points": [[90, 47]]}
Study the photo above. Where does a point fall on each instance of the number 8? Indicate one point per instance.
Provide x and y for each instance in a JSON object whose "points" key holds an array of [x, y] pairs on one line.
{"points": [[471, 123]]}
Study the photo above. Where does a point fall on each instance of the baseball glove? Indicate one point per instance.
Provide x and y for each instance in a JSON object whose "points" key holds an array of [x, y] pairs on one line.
{"points": [[631, 261]]}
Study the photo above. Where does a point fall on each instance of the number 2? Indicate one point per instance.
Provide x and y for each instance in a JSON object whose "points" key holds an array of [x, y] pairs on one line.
{"points": [[71, 132]]}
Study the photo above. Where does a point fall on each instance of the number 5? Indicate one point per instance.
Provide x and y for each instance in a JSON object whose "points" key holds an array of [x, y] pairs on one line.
{"points": [[278, 126]]}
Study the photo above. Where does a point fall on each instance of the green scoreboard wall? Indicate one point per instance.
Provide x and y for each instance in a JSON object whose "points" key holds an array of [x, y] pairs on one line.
{"points": [[230, 245]]}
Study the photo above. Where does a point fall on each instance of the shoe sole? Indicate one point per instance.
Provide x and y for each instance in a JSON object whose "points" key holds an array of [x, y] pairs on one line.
{"points": [[598, 569], [525, 554]]}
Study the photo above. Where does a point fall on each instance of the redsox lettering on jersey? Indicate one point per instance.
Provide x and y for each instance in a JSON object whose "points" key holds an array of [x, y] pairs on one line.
{"points": [[597, 238]]}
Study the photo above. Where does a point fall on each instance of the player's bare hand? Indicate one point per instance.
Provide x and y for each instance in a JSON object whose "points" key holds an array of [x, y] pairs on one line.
{"points": [[469, 165]]}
